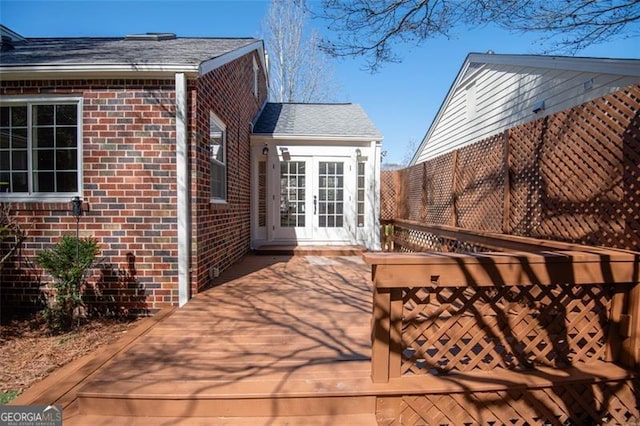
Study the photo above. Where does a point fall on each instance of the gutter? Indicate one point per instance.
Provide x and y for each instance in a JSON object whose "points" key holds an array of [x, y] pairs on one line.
{"points": [[70, 71], [314, 138]]}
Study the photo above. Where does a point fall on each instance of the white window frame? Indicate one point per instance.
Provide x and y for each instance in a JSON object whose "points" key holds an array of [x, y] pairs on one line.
{"points": [[30, 101], [214, 120]]}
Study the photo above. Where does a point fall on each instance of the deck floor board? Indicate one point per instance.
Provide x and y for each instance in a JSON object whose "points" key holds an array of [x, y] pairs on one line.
{"points": [[291, 326]]}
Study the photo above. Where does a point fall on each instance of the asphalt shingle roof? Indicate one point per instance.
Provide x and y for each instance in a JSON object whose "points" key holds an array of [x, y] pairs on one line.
{"points": [[338, 120], [118, 51]]}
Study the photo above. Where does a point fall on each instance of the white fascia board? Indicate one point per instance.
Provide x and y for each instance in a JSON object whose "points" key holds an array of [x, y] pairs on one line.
{"points": [[217, 62], [46, 72], [14, 36], [314, 138], [626, 67]]}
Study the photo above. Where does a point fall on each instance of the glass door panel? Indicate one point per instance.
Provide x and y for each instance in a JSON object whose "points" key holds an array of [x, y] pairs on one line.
{"points": [[333, 183], [292, 194], [330, 194], [294, 221]]}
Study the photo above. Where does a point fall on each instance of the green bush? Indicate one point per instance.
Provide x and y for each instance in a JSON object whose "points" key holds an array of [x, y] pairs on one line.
{"points": [[68, 263], [8, 396]]}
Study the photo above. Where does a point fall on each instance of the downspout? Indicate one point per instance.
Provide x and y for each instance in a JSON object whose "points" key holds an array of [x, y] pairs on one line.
{"points": [[375, 148], [184, 201]]}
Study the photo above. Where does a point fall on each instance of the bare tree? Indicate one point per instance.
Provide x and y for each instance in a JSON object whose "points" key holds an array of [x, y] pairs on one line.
{"points": [[372, 28], [299, 70]]}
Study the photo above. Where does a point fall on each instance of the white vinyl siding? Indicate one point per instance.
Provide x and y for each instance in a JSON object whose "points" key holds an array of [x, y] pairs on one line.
{"points": [[504, 97]]}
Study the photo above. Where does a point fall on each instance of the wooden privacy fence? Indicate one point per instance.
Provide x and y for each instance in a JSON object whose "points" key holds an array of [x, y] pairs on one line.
{"points": [[572, 176], [543, 336]]}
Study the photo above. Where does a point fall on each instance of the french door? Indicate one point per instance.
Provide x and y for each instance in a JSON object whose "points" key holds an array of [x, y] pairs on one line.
{"points": [[316, 202]]}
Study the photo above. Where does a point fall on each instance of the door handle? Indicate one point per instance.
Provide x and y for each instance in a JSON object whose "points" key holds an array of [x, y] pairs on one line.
{"points": [[315, 203]]}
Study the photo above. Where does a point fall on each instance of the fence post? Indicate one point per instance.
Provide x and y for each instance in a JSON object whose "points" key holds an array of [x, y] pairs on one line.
{"points": [[631, 345], [506, 210], [454, 190], [380, 335], [425, 195], [386, 333]]}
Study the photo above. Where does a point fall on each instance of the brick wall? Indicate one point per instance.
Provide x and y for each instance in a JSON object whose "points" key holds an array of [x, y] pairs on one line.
{"points": [[221, 232], [129, 180], [129, 194]]}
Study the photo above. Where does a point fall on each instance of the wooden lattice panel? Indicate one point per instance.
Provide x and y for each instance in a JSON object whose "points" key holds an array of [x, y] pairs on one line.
{"points": [[463, 329], [630, 207], [576, 404], [480, 180], [415, 241], [439, 188], [388, 200], [413, 185], [583, 174], [575, 175], [525, 189]]}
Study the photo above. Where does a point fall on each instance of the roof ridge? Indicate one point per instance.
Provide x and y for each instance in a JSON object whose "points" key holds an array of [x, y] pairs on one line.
{"points": [[125, 38]]}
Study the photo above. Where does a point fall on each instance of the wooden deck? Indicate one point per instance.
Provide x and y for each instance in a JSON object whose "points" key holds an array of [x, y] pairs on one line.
{"points": [[279, 337], [285, 340]]}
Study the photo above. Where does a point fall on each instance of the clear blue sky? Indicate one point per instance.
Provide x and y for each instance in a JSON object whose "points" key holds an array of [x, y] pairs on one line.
{"points": [[401, 99]]}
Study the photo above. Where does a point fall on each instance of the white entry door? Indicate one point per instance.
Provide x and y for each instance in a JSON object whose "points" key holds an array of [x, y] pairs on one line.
{"points": [[316, 200], [333, 208], [294, 222]]}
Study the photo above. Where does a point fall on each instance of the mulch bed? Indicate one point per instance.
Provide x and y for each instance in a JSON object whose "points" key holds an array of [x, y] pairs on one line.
{"points": [[28, 353]]}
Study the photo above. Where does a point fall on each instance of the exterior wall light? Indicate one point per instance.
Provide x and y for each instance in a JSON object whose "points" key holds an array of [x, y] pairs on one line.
{"points": [[265, 150], [76, 207], [76, 210], [286, 156], [359, 155], [538, 106]]}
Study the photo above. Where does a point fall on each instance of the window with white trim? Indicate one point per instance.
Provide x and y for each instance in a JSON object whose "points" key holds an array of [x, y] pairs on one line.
{"points": [[218, 152], [40, 149], [361, 190]]}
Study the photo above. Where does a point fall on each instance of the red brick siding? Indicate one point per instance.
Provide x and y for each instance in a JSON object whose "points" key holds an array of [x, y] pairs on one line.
{"points": [[221, 232], [129, 184], [129, 188]]}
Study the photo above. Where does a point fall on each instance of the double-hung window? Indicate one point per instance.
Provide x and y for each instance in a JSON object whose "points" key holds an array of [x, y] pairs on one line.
{"points": [[40, 148], [218, 151]]}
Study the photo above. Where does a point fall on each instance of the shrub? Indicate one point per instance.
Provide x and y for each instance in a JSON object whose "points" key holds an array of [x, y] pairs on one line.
{"points": [[68, 263]]}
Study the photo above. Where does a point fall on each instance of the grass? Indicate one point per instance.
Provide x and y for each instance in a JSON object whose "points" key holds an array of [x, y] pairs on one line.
{"points": [[7, 396]]}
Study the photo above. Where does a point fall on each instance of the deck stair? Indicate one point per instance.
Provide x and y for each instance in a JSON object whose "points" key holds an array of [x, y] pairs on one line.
{"points": [[312, 250]]}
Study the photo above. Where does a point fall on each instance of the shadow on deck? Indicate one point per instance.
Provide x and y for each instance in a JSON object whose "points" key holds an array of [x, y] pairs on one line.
{"points": [[277, 337]]}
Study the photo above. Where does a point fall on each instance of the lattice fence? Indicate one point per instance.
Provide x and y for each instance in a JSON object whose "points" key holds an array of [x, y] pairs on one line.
{"points": [[573, 176], [449, 329], [410, 240], [575, 404], [439, 174], [480, 180], [411, 192], [388, 202]]}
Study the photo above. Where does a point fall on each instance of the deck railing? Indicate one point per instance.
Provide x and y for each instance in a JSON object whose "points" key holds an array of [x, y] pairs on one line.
{"points": [[535, 331]]}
